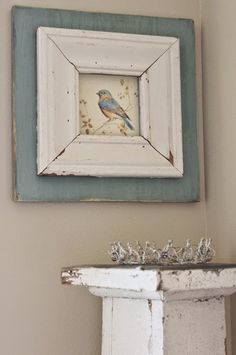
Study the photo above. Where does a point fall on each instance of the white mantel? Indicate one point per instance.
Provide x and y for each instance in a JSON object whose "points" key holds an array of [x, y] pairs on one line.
{"points": [[152, 310]]}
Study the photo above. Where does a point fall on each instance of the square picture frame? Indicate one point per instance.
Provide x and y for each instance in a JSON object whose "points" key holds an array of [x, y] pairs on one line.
{"points": [[63, 55], [29, 186]]}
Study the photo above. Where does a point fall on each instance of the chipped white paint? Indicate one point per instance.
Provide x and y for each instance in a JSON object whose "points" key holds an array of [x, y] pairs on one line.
{"points": [[160, 311], [62, 55], [115, 278]]}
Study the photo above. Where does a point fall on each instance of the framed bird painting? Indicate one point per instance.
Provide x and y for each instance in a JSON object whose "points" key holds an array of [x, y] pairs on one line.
{"points": [[113, 111], [104, 107], [109, 104]]}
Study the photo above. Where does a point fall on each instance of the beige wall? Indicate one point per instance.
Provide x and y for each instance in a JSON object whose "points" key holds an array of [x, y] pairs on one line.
{"points": [[219, 77], [38, 315]]}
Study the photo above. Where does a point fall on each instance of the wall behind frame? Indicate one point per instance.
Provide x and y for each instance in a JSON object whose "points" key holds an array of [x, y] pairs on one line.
{"points": [[219, 53]]}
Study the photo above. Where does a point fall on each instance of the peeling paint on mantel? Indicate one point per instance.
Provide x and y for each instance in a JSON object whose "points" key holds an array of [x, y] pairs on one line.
{"points": [[154, 278], [160, 310]]}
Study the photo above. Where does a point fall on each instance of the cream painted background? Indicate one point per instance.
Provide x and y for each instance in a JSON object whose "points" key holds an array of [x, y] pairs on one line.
{"points": [[38, 315], [219, 78]]}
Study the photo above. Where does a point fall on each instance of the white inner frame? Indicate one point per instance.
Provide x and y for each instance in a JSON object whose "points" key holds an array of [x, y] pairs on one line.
{"points": [[62, 54]]}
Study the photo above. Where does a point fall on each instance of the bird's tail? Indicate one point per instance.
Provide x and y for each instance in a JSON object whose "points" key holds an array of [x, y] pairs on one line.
{"points": [[127, 122]]}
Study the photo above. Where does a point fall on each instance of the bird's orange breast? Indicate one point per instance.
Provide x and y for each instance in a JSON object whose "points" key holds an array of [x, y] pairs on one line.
{"points": [[108, 113]]}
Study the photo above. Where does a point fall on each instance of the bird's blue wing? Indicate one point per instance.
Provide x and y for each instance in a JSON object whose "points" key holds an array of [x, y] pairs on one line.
{"points": [[113, 106]]}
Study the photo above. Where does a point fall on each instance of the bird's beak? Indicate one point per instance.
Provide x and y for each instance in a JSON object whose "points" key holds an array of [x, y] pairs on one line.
{"points": [[97, 93]]}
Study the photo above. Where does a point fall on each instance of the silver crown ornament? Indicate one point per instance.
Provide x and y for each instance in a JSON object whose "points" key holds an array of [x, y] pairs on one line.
{"points": [[150, 253]]}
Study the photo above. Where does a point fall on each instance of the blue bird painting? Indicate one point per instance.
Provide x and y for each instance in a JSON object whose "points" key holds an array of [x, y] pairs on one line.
{"points": [[111, 108]]}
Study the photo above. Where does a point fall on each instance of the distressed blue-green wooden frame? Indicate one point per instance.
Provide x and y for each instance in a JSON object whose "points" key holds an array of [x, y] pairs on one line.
{"points": [[29, 186]]}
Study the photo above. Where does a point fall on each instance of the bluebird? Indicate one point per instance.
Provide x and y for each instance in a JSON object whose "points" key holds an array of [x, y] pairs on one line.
{"points": [[111, 109]]}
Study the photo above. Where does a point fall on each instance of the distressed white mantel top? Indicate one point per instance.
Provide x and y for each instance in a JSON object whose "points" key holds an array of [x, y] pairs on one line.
{"points": [[152, 310], [156, 282]]}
